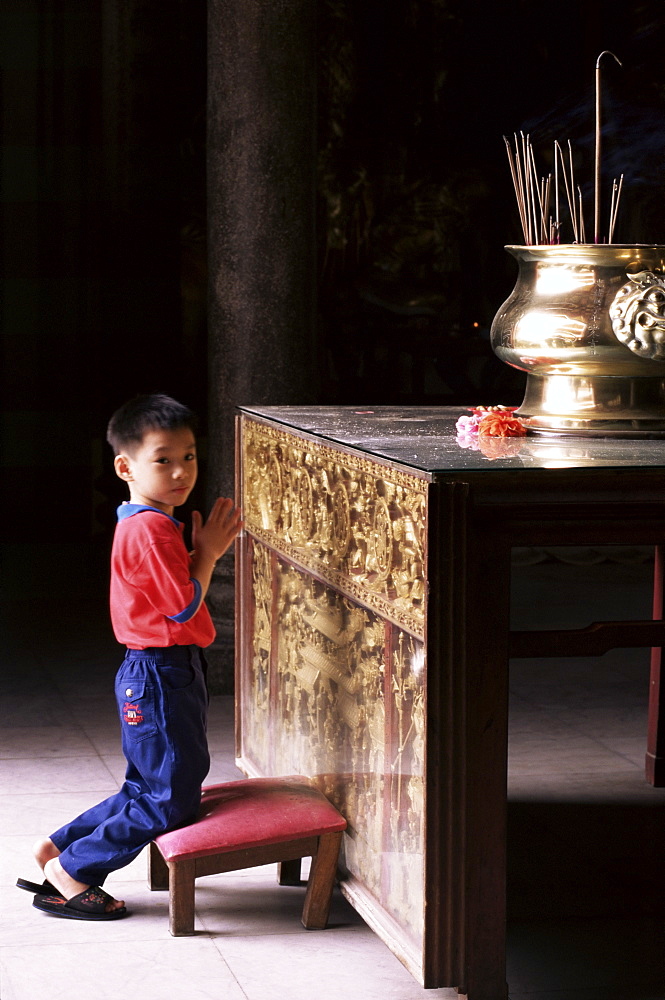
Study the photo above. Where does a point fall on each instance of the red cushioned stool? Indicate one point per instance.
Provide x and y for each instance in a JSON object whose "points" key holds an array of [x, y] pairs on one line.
{"points": [[241, 824]]}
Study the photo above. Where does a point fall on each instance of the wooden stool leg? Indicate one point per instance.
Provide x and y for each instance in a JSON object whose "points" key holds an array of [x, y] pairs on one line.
{"points": [[158, 870], [321, 882], [288, 872], [181, 897], [655, 756]]}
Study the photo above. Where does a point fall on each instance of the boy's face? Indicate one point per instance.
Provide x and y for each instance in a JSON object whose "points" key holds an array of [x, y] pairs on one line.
{"points": [[162, 470]]}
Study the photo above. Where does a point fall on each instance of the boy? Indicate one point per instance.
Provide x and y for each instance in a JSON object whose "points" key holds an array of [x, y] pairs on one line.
{"points": [[157, 611]]}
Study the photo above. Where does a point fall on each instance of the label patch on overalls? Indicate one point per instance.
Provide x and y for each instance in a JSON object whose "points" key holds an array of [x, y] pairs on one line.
{"points": [[132, 714]]}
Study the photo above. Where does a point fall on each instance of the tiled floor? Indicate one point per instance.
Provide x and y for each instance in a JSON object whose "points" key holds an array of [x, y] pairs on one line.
{"points": [[586, 833]]}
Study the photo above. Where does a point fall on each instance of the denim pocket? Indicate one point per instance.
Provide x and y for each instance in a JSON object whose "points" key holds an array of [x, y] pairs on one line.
{"points": [[175, 677], [136, 702]]}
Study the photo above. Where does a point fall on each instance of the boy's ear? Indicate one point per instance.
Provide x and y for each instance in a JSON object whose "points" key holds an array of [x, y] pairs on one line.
{"points": [[122, 469]]}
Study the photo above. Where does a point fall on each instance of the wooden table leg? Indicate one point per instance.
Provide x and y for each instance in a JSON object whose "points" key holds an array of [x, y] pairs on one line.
{"points": [[488, 626], [468, 646], [655, 756], [467, 727]]}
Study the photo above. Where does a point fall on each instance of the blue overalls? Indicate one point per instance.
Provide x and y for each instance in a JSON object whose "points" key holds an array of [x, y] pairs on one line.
{"points": [[163, 705]]}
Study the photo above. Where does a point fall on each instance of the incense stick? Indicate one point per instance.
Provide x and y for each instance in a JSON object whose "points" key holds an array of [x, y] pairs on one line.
{"points": [[538, 224], [576, 227], [582, 232], [614, 208], [570, 195], [535, 195]]}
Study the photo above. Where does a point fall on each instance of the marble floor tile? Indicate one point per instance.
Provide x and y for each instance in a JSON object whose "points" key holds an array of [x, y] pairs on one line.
{"points": [[528, 719], [251, 902], [26, 708], [44, 741], [222, 768], [26, 925], [563, 756], [112, 967], [330, 964], [94, 708], [105, 738], [632, 748], [37, 814], [219, 740], [573, 785], [221, 710], [56, 774], [116, 765]]}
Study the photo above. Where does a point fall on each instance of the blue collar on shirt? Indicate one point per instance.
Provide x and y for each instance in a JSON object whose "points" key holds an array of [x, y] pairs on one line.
{"points": [[128, 509]]}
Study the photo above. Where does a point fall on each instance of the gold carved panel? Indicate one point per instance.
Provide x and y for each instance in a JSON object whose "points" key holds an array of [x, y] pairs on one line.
{"points": [[333, 691], [358, 525]]}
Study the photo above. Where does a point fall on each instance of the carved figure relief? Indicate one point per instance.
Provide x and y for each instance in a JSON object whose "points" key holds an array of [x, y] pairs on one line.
{"points": [[356, 524], [256, 723], [348, 710], [333, 665]]}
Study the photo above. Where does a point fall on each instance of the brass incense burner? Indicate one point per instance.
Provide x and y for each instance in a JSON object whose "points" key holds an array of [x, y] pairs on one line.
{"points": [[587, 324]]}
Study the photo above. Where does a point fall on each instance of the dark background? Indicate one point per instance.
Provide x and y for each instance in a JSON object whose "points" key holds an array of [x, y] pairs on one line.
{"points": [[103, 179]]}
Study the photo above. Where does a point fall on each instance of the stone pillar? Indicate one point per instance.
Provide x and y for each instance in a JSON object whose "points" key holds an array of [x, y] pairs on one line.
{"points": [[261, 237]]}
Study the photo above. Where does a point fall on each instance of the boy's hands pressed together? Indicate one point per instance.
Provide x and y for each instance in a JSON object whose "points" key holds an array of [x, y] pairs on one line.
{"points": [[216, 535], [210, 540]]}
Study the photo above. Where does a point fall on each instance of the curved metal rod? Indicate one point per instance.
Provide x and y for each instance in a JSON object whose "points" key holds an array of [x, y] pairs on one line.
{"points": [[596, 227]]}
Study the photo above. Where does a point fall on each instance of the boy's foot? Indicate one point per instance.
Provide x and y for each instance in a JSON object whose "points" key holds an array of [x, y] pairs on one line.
{"points": [[69, 887], [44, 850]]}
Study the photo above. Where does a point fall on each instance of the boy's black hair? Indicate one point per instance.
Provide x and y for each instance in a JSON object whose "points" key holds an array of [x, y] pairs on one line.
{"points": [[149, 412]]}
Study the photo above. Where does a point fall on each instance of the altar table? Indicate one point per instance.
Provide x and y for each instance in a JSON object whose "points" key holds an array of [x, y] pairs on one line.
{"points": [[373, 642]]}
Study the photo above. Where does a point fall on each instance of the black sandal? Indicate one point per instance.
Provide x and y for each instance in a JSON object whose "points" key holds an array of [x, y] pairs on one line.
{"points": [[87, 905], [44, 889]]}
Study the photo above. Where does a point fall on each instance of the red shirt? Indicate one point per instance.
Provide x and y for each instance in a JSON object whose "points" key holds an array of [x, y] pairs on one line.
{"points": [[154, 600]]}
